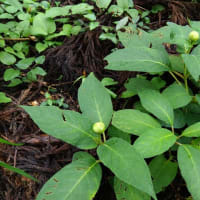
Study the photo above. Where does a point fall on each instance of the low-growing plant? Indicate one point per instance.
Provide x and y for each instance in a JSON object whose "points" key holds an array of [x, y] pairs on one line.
{"points": [[164, 125]]}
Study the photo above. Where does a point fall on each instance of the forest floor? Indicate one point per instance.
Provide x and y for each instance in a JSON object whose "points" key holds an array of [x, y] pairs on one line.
{"points": [[42, 155]]}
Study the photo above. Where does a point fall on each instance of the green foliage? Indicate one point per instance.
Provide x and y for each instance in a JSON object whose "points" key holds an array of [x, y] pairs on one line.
{"points": [[165, 115], [126, 161], [85, 176]]}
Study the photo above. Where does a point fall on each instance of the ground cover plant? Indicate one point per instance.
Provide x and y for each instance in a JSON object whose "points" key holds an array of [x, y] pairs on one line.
{"points": [[164, 123], [141, 147]]}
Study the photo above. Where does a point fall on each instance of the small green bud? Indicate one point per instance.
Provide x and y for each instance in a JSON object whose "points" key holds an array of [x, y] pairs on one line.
{"points": [[99, 127], [193, 36]]}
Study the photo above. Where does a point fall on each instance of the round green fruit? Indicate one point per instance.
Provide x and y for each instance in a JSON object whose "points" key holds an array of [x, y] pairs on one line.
{"points": [[194, 36], [99, 127]]}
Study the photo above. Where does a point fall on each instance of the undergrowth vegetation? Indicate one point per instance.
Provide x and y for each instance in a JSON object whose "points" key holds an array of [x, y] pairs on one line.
{"points": [[145, 145]]}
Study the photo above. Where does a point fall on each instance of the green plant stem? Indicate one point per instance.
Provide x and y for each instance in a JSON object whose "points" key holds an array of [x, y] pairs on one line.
{"points": [[178, 143], [178, 74], [185, 80], [173, 75], [172, 127], [104, 137]]}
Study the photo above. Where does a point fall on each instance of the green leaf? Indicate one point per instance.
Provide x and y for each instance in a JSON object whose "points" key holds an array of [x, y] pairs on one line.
{"points": [[157, 104], [121, 23], [124, 4], [58, 11], [18, 171], [66, 125], [137, 84], [10, 74], [78, 180], [133, 121], [163, 172], [127, 164], [40, 60], [179, 36], [128, 192], [103, 3], [41, 46], [6, 142], [177, 63], [177, 95], [6, 16], [141, 59], [14, 82], [158, 83], [189, 164], [25, 63], [157, 8], [4, 98], [114, 132], [192, 62], [7, 58], [154, 142], [192, 131], [81, 8], [108, 81], [94, 100], [42, 25]]}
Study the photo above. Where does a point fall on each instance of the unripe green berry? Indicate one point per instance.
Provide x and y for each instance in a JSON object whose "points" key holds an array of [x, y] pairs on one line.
{"points": [[193, 36], [99, 127]]}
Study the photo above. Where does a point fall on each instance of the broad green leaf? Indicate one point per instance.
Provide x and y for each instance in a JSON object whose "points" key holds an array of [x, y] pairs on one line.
{"points": [[137, 84], [192, 131], [121, 23], [42, 25], [6, 16], [81, 8], [157, 8], [17, 170], [192, 62], [158, 83], [3, 28], [10, 74], [7, 58], [154, 142], [103, 3], [25, 63], [176, 63], [179, 119], [66, 125], [177, 95], [128, 192], [124, 4], [58, 11], [4, 98], [141, 59], [163, 172], [41, 46], [127, 164], [157, 104], [78, 180], [94, 100], [115, 10], [40, 60], [14, 82], [7, 142], [130, 39], [189, 164], [134, 121], [114, 132], [179, 36]]}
